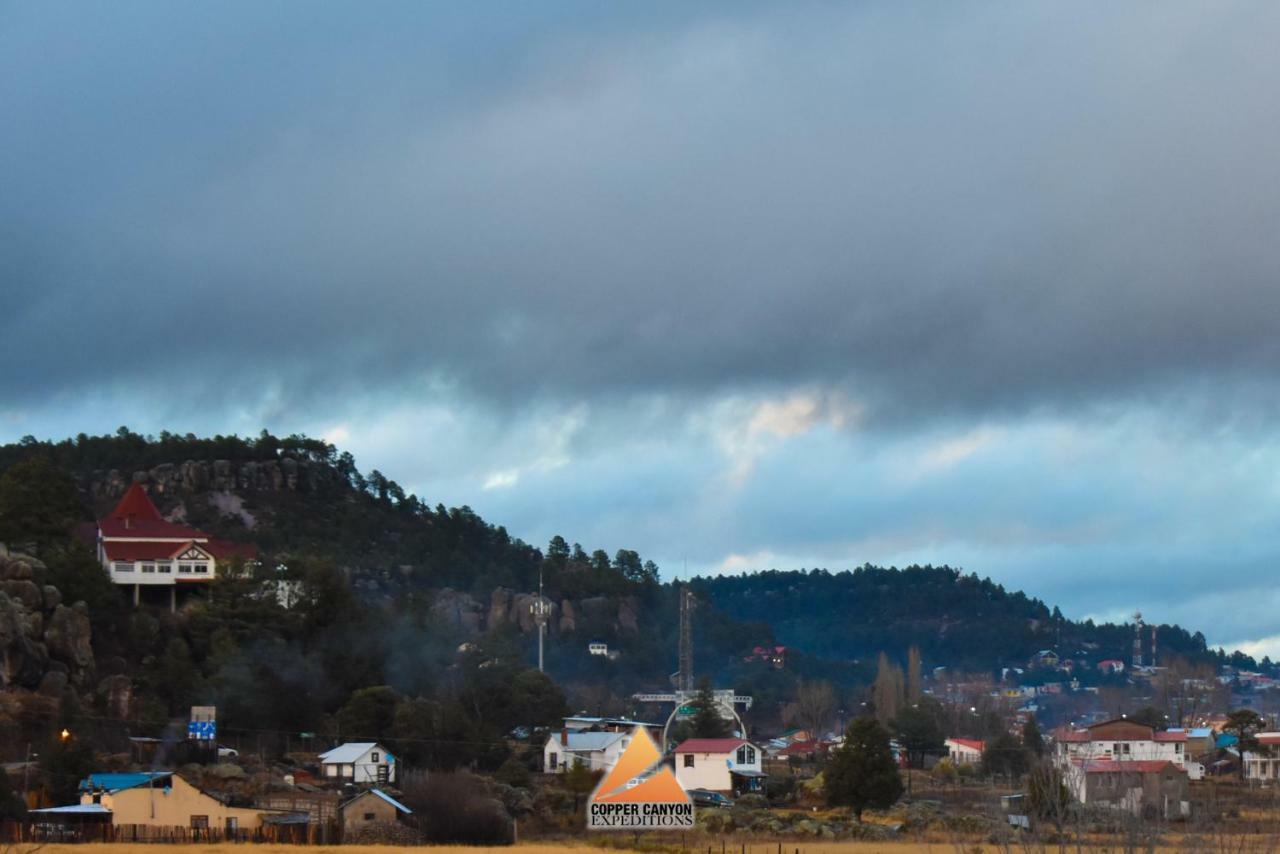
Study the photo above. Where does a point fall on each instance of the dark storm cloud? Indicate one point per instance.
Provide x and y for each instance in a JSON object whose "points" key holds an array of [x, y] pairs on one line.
{"points": [[943, 208]]}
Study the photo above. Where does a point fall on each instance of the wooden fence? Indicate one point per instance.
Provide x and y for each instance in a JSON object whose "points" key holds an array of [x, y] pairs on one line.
{"points": [[289, 834]]}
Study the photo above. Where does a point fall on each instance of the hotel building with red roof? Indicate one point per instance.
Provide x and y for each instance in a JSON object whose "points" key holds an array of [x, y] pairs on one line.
{"points": [[138, 546]]}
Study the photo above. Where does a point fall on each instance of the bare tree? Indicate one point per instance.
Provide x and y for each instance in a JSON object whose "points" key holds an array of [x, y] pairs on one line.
{"points": [[815, 704]]}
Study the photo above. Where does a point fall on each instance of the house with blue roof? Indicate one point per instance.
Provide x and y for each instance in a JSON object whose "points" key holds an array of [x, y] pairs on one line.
{"points": [[157, 799], [373, 806]]}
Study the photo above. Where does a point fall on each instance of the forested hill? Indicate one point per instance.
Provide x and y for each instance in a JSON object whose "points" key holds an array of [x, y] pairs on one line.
{"points": [[301, 497], [955, 619]]}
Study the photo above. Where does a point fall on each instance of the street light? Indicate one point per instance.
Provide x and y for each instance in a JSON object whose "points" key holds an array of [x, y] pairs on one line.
{"points": [[65, 735]]}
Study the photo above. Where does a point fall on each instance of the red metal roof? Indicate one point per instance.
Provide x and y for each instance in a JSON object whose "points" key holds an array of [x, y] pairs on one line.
{"points": [[226, 550], [1071, 736], [711, 745], [1171, 736], [134, 550], [136, 517], [971, 743], [800, 748], [137, 504]]}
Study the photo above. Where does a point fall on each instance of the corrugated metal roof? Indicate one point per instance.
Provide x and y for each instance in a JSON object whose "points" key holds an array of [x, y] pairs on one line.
{"points": [[588, 740], [120, 782], [77, 809], [345, 754], [404, 809]]}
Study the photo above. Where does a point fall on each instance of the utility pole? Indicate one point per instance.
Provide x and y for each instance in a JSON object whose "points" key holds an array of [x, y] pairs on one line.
{"points": [[540, 614], [26, 773]]}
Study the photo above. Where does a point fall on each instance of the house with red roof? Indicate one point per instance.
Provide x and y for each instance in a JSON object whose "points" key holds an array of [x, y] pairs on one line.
{"points": [[725, 765], [965, 751], [138, 547], [1118, 740]]}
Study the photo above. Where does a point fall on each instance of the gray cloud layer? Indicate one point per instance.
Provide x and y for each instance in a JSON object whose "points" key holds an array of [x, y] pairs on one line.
{"points": [[645, 275], [945, 209]]}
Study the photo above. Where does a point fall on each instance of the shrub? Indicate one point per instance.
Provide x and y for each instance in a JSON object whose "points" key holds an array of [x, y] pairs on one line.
{"points": [[455, 809], [513, 772]]}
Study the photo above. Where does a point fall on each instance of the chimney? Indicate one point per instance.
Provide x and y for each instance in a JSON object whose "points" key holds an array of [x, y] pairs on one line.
{"points": [[564, 737]]}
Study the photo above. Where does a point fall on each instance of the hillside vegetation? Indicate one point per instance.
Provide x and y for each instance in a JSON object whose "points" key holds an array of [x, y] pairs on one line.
{"points": [[415, 627]]}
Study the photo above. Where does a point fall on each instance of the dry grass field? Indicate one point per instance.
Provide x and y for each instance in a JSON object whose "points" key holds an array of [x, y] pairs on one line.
{"points": [[532, 848]]}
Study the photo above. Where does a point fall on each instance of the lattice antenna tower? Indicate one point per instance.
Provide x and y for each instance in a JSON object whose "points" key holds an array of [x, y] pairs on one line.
{"points": [[685, 681]]}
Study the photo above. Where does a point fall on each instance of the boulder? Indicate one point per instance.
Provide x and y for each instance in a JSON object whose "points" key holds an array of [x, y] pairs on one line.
{"points": [[15, 568], [68, 636], [53, 683], [567, 621], [52, 597], [628, 619], [23, 659], [499, 608], [116, 694], [25, 592], [457, 609]]}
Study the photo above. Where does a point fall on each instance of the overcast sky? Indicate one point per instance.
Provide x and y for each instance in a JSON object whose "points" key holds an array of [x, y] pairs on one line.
{"points": [[745, 286]]}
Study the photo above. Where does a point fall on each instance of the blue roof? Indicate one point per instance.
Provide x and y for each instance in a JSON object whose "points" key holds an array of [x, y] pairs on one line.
{"points": [[120, 782], [1226, 739], [1200, 732], [404, 809]]}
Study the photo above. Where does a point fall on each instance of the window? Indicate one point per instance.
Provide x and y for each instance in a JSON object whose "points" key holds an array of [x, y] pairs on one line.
{"points": [[124, 566], [552, 760], [148, 567], [373, 757], [746, 755], [199, 822], [184, 568], [369, 816], [164, 566], [688, 760], [200, 567]]}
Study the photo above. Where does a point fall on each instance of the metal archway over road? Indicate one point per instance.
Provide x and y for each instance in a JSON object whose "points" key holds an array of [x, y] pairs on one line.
{"points": [[726, 699]]}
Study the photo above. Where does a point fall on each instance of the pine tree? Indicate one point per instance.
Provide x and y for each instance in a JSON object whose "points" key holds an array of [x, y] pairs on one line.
{"points": [[707, 720], [863, 773]]}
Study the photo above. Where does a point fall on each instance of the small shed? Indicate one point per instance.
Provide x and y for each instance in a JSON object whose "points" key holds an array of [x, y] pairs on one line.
{"points": [[372, 807]]}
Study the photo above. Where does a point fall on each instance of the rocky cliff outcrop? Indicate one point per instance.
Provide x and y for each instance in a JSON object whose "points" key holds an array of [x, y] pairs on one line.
{"points": [[285, 474], [507, 607], [39, 635]]}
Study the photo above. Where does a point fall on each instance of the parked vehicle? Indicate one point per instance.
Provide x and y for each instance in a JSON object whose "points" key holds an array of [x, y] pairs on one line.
{"points": [[708, 798], [227, 752]]}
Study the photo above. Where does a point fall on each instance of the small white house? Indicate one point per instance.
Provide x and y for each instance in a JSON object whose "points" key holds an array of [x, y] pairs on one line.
{"points": [[598, 751], [965, 751], [598, 648], [359, 762], [728, 765]]}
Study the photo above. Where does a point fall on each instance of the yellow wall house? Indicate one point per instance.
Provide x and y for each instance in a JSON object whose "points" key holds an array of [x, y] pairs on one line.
{"points": [[163, 799]]}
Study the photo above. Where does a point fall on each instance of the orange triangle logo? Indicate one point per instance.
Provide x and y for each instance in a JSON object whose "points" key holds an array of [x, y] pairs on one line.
{"points": [[640, 759]]}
